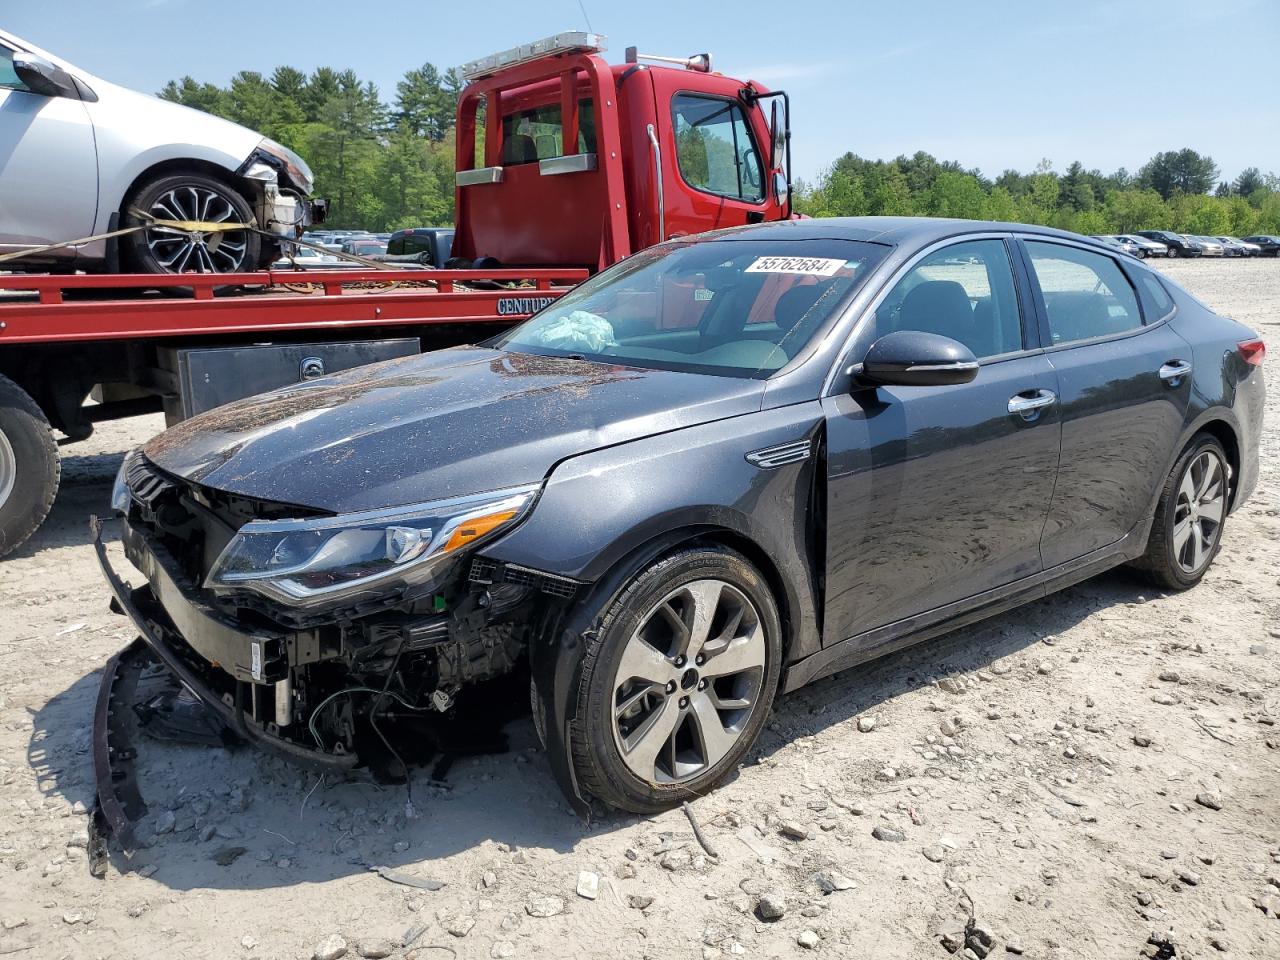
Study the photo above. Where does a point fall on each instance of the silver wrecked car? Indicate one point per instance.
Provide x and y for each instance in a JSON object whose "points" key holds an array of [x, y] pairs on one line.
{"points": [[79, 154]]}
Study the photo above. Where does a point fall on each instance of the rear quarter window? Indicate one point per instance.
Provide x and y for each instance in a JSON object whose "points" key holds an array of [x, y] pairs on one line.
{"points": [[1156, 301]]}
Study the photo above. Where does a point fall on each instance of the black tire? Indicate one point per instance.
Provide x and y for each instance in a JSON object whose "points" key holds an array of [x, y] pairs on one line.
{"points": [[29, 467], [1161, 562], [598, 762], [177, 196], [1173, 252]]}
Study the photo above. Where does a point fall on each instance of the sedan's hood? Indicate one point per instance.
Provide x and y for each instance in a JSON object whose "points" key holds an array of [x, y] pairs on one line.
{"points": [[438, 425]]}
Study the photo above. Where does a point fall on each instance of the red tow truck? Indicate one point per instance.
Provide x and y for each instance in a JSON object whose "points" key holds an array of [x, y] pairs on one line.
{"points": [[565, 165]]}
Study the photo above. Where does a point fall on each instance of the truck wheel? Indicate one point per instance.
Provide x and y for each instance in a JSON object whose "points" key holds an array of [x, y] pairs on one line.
{"points": [[29, 468], [191, 196], [677, 682]]}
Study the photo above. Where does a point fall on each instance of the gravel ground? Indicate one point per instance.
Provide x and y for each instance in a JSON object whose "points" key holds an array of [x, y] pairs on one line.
{"points": [[1094, 775]]}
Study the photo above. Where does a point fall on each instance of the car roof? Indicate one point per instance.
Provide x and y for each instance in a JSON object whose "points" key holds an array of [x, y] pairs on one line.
{"points": [[888, 230]]}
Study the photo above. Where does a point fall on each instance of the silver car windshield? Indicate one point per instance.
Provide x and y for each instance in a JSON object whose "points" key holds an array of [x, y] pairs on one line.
{"points": [[729, 307]]}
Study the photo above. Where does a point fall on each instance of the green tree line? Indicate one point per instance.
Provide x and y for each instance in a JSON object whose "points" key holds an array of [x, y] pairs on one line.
{"points": [[1177, 190], [390, 165]]}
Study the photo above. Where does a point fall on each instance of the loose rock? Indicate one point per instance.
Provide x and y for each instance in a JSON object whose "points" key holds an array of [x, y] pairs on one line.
{"points": [[331, 947], [888, 834], [544, 907], [771, 907], [588, 885]]}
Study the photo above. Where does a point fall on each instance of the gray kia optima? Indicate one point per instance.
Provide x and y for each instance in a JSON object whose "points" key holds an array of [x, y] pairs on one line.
{"points": [[724, 467]]}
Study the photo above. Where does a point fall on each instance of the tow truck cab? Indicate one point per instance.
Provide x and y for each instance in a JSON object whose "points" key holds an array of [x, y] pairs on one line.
{"points": [[590, 162]]}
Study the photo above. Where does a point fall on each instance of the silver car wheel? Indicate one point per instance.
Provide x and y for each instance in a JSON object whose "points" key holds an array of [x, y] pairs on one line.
{"points": [[1197, 516], [8, 469], [214, 251], [688, 681]]}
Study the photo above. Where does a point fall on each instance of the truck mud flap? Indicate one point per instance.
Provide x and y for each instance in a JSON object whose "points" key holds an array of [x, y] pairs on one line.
{"points": [[119, 803]]}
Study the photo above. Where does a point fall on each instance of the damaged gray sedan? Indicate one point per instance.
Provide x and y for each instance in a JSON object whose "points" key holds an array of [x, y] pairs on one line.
{"points": [[723, 468]]}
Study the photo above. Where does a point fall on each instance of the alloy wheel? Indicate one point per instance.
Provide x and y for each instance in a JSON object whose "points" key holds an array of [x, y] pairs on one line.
{"points": [[687, 682], [1198, 513], [8, 469], [214, 251]]}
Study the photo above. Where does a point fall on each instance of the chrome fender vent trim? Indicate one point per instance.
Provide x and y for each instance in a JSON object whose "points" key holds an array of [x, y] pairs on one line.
{"points": [[767, 458]]}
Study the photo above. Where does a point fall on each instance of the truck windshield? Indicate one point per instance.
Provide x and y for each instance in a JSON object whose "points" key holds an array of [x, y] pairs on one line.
{"points": [[728, 307]]}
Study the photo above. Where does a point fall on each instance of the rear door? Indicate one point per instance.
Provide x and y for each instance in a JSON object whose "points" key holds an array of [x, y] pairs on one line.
{"points": [[1124, 386], [48, 165]]}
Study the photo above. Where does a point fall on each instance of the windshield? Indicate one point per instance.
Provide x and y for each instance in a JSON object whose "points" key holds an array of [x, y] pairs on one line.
{"points": [[728, 307]]}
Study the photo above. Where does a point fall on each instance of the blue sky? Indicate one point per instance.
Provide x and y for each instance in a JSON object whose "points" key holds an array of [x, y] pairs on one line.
{"points": [[990, 84]]}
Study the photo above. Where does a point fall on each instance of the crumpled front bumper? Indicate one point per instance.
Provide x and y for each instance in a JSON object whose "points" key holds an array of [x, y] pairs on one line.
{"points": [[119, 802]]}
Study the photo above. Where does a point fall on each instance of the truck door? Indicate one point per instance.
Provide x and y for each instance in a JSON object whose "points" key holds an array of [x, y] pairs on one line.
{"points": [[48, 163], [713, 160]]}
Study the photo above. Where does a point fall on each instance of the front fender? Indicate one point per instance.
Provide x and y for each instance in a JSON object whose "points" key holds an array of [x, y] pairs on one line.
{"points": [[602, 507]]}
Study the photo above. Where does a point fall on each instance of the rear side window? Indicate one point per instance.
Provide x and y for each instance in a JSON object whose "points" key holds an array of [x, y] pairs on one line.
{"points": [[1086, 294], [714, 148], [538, 134], [1155, 298]]}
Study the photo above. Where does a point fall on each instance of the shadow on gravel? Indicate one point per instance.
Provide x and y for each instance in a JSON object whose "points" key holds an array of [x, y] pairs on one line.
{"points": [[85, 489], [240, 819]]}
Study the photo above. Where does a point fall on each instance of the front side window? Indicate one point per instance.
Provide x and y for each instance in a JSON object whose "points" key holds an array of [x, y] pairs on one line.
{"points": [[965, 292], [714, 148], [730, 307], [1086, 294], [538, 134], [8, 76]]}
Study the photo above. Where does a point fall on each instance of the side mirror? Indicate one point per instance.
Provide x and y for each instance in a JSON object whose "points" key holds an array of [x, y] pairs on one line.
{"points": [[42, 77], [912, 358]]}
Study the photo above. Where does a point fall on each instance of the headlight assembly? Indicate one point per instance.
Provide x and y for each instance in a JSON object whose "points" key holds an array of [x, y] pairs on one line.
{"points": [[121, 497], [329, 561], [283, 159]]}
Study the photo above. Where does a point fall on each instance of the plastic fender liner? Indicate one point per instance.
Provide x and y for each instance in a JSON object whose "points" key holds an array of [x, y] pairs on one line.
{"points": [[118, 804]]}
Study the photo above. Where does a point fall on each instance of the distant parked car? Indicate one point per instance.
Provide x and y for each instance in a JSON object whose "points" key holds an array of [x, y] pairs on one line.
{"points": [[308, 258], [1241, 248], [1146, 248], [1179, 246], [1132, 249], [429, 246], [1209, 247], [364, 247], [1267, 243]]}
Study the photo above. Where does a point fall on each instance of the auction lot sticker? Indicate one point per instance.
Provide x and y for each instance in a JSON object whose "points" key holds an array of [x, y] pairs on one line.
{"points": [[808, 266]]}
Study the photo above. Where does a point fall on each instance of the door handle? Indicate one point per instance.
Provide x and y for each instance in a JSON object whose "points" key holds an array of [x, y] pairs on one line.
{"points": [[1029, 403], [1174, 371]]}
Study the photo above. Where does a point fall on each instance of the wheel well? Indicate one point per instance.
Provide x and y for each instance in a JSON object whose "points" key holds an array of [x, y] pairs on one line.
{"points": [[181, 165], [1221, 431], [722, 536]]}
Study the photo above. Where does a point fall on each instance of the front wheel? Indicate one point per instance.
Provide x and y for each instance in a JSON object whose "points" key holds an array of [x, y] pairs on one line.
{"points": [[677, 682], [29, 468], [192, 197], [1187, 531]]}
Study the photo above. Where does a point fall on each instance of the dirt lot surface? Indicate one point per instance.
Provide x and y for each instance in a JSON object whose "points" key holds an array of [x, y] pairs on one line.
{"points": [[1081, 774]]}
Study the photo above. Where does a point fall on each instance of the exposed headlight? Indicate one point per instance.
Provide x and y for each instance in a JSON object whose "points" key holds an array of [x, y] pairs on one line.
{"points": [[293, 164], [329, 561], [121, 498]]}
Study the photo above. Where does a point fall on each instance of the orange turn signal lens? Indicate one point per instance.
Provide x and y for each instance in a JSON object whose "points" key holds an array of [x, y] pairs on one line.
{"points": [[472, 530]]}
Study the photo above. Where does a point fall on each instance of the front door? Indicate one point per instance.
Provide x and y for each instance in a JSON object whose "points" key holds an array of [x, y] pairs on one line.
{"points": [[48, 166], [939, 494], [1124, 388]]}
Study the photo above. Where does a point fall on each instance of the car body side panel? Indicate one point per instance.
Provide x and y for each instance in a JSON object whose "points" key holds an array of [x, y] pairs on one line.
{"points": [[49, 170], [601, 507]]}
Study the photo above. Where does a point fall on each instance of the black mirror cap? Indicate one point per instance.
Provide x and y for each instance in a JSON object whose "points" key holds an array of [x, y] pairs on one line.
{"points": [[43, 77], [913, 358]]}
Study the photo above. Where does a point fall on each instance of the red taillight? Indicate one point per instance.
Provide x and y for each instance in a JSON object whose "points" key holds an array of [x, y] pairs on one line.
{"points": [[1252, 352]]}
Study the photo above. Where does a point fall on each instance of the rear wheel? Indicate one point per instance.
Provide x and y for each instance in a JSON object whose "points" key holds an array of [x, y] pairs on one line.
{"points": [[29, 468], [678, 681], [192, 196], [1187, 531]]}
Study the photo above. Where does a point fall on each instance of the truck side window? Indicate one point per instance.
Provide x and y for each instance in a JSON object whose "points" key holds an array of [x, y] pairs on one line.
{"points": [[714, 147]]}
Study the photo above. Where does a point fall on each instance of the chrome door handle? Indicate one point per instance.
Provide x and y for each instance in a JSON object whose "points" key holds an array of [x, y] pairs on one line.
{"points": [[1174, 370], [1029, 406]]}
